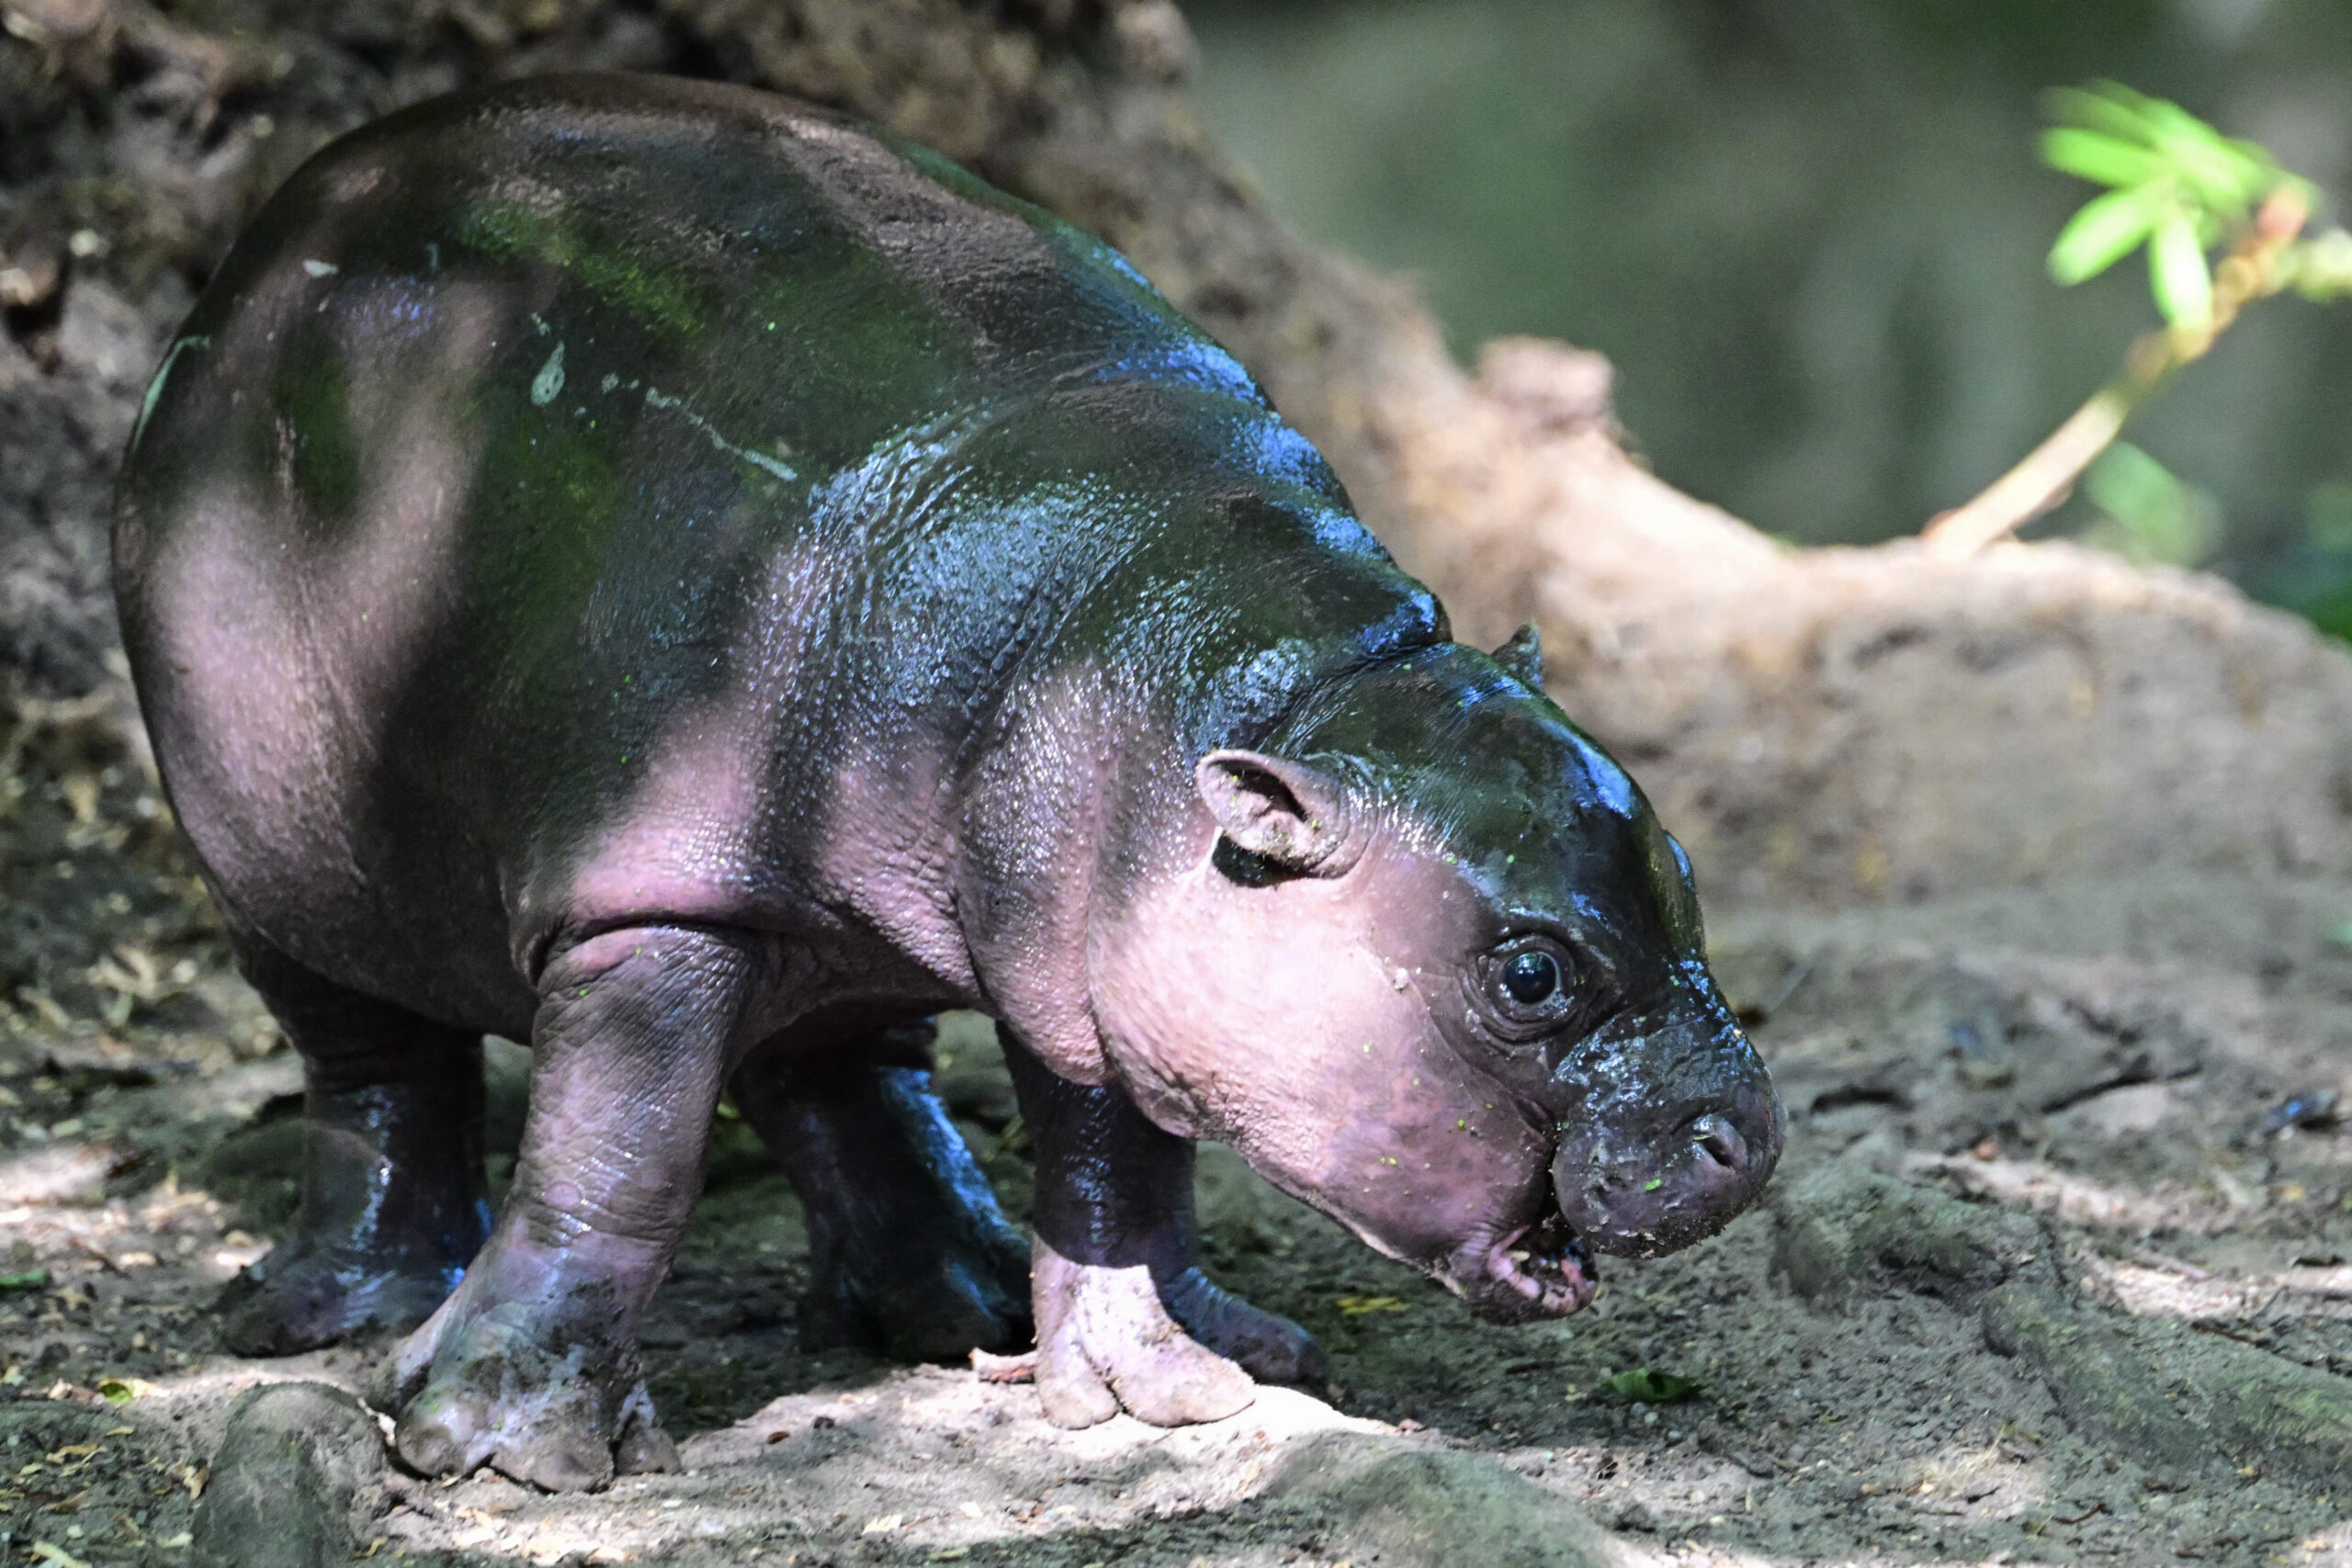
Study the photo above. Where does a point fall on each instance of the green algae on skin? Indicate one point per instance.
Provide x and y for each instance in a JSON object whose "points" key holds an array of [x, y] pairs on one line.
{"points": [[507, 231], [313, 395]]}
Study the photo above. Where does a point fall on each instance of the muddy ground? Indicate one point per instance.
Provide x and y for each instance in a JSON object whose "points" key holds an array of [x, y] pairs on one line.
{"points": [[2100, 1108]]}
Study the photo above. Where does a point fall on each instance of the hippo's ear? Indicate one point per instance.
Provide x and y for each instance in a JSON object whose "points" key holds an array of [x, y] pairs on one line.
{"points": [[1523, 657], [1279, 810]]}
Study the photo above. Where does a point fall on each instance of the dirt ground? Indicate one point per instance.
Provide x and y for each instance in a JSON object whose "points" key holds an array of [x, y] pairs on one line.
{"points": [[2111, 1073]]}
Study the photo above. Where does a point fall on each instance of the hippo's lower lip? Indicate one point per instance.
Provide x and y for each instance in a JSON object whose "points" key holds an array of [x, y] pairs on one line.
{"points": [[1539, 1271]]}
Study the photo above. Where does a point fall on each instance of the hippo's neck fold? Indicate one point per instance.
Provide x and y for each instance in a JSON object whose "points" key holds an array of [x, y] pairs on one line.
{"points": [[1077, 792]]}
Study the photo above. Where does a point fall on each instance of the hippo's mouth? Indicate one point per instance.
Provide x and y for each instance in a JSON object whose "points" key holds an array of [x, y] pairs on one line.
{"points": [[1543, 1269]]}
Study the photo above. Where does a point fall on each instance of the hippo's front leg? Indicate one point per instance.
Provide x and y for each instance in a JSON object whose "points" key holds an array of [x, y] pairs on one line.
{"points": [[531, 1365], [1125, 1319]]}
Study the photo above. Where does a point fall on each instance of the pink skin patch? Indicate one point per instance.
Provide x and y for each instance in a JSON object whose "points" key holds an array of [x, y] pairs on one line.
{"points": [[1326, 1073]]}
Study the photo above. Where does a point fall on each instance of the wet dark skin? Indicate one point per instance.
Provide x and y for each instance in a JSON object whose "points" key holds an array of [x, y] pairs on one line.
{"points": [[670, 575]]}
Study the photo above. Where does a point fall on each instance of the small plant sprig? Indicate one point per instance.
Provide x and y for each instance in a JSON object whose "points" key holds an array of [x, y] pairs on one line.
{"points": [[2224, 226]]}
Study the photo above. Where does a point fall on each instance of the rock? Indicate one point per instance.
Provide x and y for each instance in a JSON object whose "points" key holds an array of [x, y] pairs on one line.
{"points": [[1416, 1507], [294, 1459]]}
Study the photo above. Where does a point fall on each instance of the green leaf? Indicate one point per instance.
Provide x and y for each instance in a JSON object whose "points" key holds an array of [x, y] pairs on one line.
{"points": [[2218, 174], [2225, 175], [1645, 1387], [30, 1280], [2099, 158], [2107, 107], [2183, 134], [2176, 271], [2259, 174], [2149, 514], [2104, 232]]}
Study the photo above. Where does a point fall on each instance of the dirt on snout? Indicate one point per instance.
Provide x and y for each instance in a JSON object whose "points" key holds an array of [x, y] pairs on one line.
{"points": [[2059, 1270]]}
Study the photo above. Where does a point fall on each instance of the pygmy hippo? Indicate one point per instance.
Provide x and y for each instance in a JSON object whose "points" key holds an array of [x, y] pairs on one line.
{"points": [[678, 577]]}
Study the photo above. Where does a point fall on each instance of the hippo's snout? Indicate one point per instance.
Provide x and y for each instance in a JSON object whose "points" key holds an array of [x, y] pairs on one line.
{"points": [[1664, 1188]]}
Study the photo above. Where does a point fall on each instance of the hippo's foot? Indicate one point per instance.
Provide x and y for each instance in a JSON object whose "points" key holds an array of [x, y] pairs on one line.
{"points": [[1268, 1347], [530, 1379], [909, 1254], [938, 1300], [309, 1293], [393, 1207], [1106, 1342]]}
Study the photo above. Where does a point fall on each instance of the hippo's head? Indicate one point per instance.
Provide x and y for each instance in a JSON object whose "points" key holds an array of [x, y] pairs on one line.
{"points": [[1427, 959]]}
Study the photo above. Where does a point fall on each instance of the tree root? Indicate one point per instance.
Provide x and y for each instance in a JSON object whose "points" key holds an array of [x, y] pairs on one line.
{"points": [[2177, 1401]]}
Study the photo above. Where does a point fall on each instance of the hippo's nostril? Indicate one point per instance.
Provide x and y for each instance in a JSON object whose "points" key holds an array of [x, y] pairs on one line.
{"points": [[1719, 1141]]}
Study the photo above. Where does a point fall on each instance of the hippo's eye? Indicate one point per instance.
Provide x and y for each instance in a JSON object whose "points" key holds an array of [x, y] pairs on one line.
{"points": [[1532, 978], [1529, 987]]}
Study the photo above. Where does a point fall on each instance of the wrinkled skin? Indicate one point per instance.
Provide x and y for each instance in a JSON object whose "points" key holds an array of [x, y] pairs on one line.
{"points": [[661, 572]]}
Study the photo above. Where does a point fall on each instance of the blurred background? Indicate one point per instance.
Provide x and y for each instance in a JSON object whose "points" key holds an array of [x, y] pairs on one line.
{"points": [[1810, 236]]}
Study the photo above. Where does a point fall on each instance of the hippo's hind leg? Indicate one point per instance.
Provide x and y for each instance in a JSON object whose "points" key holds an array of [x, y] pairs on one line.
{"points": [[393, 1206], [1125, 1319], [908, 1249], [531, 1366]]}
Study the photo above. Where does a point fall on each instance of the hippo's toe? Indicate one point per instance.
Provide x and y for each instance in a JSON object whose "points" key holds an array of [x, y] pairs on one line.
{"points": [[1106, 1342], [533, 1383], [559, 1441], [493, 1390]]}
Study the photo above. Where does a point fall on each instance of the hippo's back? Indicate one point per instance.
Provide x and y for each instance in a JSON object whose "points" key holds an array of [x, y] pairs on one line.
{"points": [[532, 437]]}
